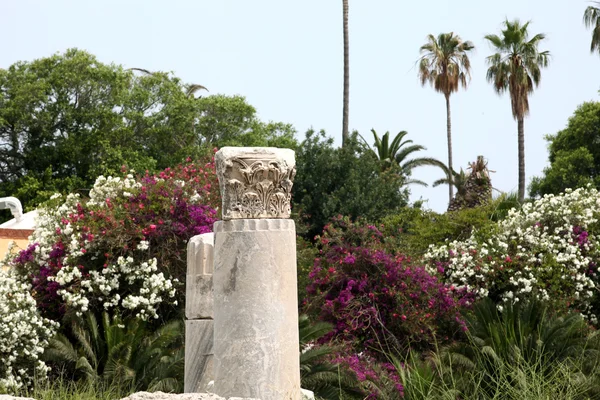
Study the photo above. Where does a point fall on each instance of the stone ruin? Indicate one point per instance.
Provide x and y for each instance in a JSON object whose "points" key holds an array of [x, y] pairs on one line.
{"points": [[241, 295]]}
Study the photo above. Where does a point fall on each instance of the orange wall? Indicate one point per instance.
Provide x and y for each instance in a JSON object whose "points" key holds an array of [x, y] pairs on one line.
{"points": [[19, 236]]}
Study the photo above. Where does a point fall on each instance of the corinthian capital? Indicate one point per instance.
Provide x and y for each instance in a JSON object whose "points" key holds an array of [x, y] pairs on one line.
{"points": [[255, 182]]}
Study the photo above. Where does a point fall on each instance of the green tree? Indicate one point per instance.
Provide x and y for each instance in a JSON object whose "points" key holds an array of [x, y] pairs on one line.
{"points": [[516, 68], [345, 112], [348, 181], [397, 152], [68, 118], [574, 154], [591, 19], [231, 121], [445, 65]]}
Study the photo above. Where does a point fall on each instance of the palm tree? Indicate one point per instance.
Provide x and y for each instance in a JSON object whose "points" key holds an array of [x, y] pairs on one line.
{"points": [[346, 74], [516, 67], [458, 180], [591, 19], [326, 380], [445, 65], [397, 153], [125, 352]]}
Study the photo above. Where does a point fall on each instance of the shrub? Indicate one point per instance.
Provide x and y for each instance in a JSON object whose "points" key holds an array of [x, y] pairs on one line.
{"points": [[24, 335], [122, 248], [548, 250], [346, 180], [527, 348], [125, 353], [376, 300], [412, 230]]}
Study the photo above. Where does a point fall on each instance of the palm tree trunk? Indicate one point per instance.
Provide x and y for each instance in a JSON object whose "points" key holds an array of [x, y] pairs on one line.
{"points": [[521, 135], [449, 134], [346, 75]]}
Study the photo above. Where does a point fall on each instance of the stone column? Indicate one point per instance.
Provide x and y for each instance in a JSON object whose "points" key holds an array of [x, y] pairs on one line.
{"points": [[199, 322], [256, 350]]}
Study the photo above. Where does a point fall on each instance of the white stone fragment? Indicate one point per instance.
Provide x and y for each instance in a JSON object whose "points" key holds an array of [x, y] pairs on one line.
{"points": [[198, 290], [255, 182]]}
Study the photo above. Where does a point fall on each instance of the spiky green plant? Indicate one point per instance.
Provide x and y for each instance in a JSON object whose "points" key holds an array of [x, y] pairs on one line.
{"points": [[328, 381], [397, 153], [125, 353], [456, 179], [524, 338]]}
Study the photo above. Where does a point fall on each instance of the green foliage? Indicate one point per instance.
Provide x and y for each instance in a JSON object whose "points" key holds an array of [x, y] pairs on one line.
{"points": [[231, 121], [305, 254], [64, 389], [328, 381], [574, 154], [122, 353], [348, 181], [397, 152], [412, 230], [526, 347], [68, 118]]}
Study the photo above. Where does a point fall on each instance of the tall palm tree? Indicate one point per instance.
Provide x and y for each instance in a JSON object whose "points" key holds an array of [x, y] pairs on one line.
{"points": [[516, 67], [397, 152], [445, 65], [346, 74], [591, 19]]}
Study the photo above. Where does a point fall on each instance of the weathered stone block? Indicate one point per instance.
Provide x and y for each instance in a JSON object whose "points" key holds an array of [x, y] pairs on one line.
{"points": [[199, 371], [171, 396], [255, 182], [256, 314], [198, 290]]}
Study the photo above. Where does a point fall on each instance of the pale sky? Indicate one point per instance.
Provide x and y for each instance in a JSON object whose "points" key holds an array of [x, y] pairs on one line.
{"points": [[286, 58]]}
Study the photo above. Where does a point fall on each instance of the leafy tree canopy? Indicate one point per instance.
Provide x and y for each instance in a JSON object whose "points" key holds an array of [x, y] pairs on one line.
{"points": [[331, 181], [574, 154], [68, 118]]}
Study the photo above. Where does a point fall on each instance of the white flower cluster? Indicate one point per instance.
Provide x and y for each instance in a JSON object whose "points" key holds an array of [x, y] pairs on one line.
{"points": [[552, 239], [23, 335], [108, 188], [132, 284]]}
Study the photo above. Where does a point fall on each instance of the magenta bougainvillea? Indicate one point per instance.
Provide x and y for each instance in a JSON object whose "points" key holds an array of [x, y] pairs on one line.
{"points": [[378, 301], [124, 246]]}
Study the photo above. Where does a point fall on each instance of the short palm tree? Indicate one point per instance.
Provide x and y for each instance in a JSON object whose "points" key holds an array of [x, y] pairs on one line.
{"points": [[123, 352], [591, 19], [528, 335], [516, 68], [457, 179], [445, 64], [326, 380], [397, 152]]}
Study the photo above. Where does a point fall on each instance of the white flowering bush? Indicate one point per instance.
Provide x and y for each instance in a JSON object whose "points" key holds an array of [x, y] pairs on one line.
{"points": [[548, 249], [123, 248], [24, 335]]}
